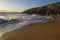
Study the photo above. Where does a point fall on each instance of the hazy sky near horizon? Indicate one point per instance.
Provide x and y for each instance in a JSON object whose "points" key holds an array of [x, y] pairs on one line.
{"points": [[23, 4]]}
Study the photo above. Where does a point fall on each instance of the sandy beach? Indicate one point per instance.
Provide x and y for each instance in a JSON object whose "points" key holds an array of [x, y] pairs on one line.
{"points": [[36, 31]]}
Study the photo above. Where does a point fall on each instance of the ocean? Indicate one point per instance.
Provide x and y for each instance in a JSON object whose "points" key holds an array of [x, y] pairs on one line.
{"points": [[13, 21]]}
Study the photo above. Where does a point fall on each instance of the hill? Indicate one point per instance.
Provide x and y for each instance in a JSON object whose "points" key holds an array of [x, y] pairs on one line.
{"points": [[50, 9]]}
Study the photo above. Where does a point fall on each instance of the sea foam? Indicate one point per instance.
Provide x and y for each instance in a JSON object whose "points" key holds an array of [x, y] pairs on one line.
{"points": [[19, 20]]}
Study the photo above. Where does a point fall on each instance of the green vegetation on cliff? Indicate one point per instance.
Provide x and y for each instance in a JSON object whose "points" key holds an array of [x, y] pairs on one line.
{"points": [[50, 9]]}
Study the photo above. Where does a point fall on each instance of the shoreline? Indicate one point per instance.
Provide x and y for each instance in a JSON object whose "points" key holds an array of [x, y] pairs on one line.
{"points": [[36, 31]]}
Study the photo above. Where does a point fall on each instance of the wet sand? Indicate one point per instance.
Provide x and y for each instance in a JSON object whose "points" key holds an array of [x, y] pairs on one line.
{"points": [[36, 31]]}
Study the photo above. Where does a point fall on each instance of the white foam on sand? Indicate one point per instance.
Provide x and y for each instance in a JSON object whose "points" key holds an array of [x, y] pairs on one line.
{"points": [[23, 19]]}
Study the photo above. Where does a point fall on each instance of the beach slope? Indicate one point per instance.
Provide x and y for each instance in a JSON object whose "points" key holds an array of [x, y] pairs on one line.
{"points": [[36, 31]]}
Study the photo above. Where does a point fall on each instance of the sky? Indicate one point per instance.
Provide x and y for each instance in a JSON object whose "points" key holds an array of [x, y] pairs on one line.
{"points": [[21, 5]]}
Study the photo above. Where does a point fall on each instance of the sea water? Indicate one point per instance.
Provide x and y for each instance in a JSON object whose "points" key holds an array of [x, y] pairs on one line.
{"points": [[15, 21]]}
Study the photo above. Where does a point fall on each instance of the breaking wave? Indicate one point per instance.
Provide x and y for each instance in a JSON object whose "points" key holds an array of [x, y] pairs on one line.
{"points": [[11, 22]]}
